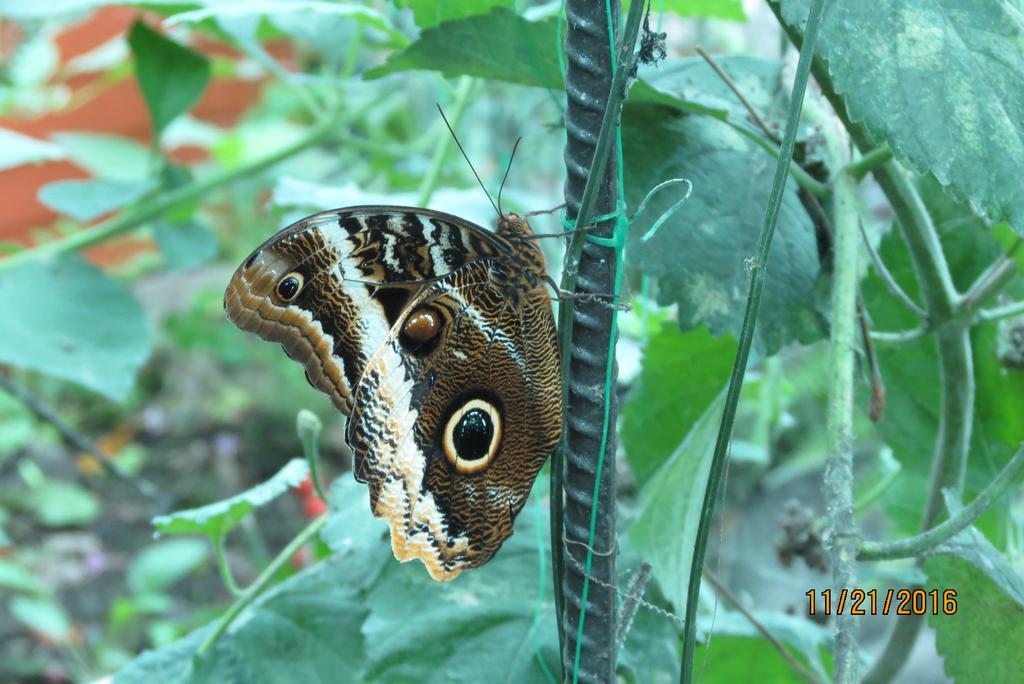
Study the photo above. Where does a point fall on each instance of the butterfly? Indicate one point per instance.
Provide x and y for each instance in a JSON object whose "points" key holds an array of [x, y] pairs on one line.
{"points": [[436, 338]]}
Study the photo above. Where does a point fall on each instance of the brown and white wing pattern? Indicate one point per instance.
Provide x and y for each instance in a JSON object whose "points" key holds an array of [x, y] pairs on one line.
{"points": [[452, 423], [437, 338], [329, 287]]}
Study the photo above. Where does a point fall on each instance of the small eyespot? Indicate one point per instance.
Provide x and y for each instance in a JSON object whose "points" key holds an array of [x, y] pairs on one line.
{"points": [[472, 436], [421, 329], [289, 287]]}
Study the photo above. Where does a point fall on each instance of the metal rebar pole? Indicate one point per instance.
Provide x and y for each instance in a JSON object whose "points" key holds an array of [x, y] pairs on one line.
{"points": [[589, 73]]}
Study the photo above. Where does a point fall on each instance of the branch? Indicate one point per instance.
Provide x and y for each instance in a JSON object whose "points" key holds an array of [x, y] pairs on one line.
{"points": [[250, 593], [76, 439], [888, 279], [760, 627], [1008, 311], [843, 536], [754, 114], [868, 162], [926, 541], [993, 279], [954, 345], [900, 337], [135, 217]]}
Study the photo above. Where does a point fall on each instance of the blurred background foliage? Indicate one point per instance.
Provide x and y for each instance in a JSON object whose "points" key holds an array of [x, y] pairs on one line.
{"points": [[145, 149]]}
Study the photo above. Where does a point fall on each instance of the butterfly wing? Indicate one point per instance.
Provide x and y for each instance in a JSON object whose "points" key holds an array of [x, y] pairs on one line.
{"points": [[450, 428], [330, 287]]}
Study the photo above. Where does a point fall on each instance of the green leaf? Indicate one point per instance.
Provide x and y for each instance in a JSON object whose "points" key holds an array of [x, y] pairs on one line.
{"points": [[657, 415], [525, 54], [217, 519], [65, 318], [171, 76], [942, 81], [160, 565], [496, 620], [41, 615], [698, 256], [354, 618], [17, 149], [310, 10], [185, 245], [692, 84], [14, 577], [712, 9], [311, 634], [731, 659], [105, 156], [989, 616], [58, 503], [430, 13], [807, 640], [85, 200], [664, 532]]}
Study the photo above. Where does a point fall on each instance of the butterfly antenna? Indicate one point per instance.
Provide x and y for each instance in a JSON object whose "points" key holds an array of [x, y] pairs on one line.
{"points": [[466, 157], [507, 169]]}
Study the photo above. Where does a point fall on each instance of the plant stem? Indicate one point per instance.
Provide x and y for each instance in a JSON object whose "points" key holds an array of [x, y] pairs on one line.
{"points": [[888, 279], [1008, 311], [868, 162], [754, 114], [803, 179], [954, 346], [224, 567], [995, 277], [135, 217], [77, 440], [926, 541], [843, 536], [463, 91], [901, 337], [250, 593], [739, 368]]}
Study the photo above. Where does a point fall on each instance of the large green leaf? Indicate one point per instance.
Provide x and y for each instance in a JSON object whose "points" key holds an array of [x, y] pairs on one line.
{"points": [[430, 13], [85, 200], [942, 81], [171, 76], [65, 318], [419, 631], [682, 375], [362, 616], [217, 519], [186, 244], [699, 255], [501, 45], [664, 532], [712, 9], [988, 624], [104, 155]]}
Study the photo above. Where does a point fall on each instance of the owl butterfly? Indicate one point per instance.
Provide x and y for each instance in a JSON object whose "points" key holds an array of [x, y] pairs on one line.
{"points": [[436, 338]]}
